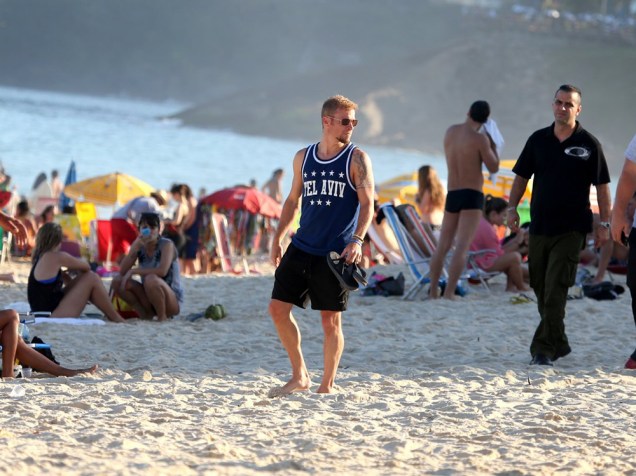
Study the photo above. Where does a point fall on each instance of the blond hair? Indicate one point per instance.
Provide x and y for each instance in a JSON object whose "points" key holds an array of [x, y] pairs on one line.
{"points": [[331, 105], [48, 237]]}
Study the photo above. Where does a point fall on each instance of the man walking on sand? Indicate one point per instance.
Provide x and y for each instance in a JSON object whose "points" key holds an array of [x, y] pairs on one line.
{"points": [[467, 146], [565, 160], [335, 181]]}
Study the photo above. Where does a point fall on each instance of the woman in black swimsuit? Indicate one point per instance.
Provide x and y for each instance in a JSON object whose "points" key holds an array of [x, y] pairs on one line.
{"points": [[52, 290]]}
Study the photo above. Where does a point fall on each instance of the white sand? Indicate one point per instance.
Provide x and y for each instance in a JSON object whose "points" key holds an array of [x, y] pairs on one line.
{"points": [[424, 387]]}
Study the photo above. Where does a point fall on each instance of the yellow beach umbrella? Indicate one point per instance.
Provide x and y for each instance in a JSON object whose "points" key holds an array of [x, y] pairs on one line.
{"points": [[501, 183], [106, 190], [402, 187]]}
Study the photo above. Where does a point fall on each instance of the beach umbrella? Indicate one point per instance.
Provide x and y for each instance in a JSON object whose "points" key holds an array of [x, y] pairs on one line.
{"points": [[110, 189], [402, 188], [71, 177], [244, 198], [500, 184]]}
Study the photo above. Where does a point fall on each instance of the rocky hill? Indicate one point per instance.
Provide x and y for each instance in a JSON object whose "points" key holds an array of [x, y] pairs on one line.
{"points": [[408, 101], [265, 66]]}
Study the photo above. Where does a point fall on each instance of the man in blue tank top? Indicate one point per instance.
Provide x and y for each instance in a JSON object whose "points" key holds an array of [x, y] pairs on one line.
{"points": [[333, 181]]}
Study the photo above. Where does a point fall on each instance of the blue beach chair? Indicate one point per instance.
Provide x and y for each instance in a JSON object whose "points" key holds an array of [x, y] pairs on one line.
{"points": [[415, 259]]}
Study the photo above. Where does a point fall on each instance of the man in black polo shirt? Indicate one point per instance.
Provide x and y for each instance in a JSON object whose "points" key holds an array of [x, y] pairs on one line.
{"points": [[565, 160]]}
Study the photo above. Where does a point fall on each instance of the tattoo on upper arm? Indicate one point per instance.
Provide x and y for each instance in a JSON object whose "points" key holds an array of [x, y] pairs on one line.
{"points": [[363, 177]]}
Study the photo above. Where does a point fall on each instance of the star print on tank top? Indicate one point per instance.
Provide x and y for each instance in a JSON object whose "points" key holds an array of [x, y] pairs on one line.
{"points": [[330, 206]]}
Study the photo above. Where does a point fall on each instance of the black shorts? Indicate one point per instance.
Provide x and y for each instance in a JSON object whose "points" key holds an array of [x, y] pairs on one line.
{"points": [[301, 277], [464, 199]]}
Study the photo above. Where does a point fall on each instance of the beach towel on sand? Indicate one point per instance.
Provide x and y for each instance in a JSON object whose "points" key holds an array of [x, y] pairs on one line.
{"points": [[23, 308]]}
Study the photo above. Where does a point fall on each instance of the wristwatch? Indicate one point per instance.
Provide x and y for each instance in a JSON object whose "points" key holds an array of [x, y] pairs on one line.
{"points": [[604, 224]]}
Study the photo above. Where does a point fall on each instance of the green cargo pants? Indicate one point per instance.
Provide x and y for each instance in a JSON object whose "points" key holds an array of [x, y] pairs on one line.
{"points": [[552, 264]]}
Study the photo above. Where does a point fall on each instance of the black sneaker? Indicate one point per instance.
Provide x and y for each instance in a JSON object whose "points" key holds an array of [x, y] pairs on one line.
{"points": [[541, 359], [562, 352]]}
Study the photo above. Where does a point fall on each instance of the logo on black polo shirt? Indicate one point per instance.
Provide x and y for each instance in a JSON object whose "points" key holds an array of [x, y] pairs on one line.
{"points": [[578, 152]]}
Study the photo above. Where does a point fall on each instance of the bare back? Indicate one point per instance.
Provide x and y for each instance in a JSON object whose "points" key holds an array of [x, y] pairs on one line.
{"points": [[466, 150]]}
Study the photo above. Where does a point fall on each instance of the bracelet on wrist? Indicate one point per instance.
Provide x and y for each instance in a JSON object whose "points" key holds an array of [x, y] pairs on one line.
{"points": [[357, 237], [356, 240]]}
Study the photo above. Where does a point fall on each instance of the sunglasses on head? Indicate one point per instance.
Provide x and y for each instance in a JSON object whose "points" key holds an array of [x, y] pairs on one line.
{"points": [[346, 121]]}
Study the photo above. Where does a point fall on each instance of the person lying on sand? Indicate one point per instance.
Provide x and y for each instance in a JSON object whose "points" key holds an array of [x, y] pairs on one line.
{"points": [[14, 347]]}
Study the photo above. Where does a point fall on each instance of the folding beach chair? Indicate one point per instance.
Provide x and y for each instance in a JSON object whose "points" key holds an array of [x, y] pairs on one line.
{"points": [[422, 241], [416, 260], [381, 237], [224, 249], [421, 233], [7, 239], [475, 273]]}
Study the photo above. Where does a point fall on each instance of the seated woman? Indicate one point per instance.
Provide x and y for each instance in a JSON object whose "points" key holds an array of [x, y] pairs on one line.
{"points": [[47, 216], [23, 215], [500, 260], [431, 197], [50, 289], [611, 253], [159, 293], [14, 347]]}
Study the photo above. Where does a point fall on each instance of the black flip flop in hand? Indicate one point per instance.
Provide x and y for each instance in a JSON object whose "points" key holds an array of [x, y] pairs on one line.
{"points": [[351, 276]]}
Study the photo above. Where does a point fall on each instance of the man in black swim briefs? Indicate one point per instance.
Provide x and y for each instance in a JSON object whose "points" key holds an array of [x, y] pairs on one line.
{"points": [[464, 199], [467, 146]]}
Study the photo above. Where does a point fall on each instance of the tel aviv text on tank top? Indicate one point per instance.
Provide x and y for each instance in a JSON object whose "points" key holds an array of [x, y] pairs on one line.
{"points": [[330, 205]]}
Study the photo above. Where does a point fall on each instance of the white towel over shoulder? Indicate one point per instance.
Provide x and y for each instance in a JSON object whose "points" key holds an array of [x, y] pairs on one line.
{"points": [[491, 127]]}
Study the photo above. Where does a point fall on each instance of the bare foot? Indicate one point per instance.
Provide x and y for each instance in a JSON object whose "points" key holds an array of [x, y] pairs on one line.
{"points": [[325, 389], [514, 289], [294, 385], [433, 292], [73, 372]]}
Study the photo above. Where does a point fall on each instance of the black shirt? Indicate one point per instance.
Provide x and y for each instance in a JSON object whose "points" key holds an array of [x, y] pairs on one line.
{"points": [[563, 173]]}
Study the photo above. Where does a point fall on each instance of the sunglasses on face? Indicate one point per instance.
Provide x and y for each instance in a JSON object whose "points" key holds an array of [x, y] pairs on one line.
{"points": [[346, 121]]}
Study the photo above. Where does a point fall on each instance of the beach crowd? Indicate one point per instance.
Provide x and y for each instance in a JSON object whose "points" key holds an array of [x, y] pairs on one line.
{"points": [[318, 239]]}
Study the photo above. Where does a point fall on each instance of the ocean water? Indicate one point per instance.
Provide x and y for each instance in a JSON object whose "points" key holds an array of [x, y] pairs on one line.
{"points": [[42, 131]]}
